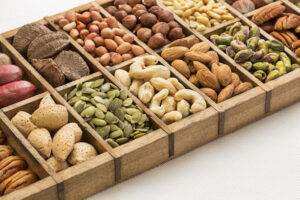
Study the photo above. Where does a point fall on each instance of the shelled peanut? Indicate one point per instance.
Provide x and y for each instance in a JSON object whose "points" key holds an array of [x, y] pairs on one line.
{"points": [[265, 59], [152, 24], [193, 59], [109, 111], [245, 6], [283, 26], [13, 172], [51, 119], [164, 95], [100, 36], [200, 14]]}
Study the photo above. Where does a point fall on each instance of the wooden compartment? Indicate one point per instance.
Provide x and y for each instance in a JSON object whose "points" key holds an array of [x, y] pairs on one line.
{"points": [[45, 187], [76, 178], [137, 155]]}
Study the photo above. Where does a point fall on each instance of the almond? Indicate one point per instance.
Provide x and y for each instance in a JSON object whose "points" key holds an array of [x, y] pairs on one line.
{"points": [[224, 75], [199, 65], [214, 56], [208, 79], [198, 56], [226, 93], [214, 68], [210, 93], [193, 79], [137, 50], [182, 67], [123, 48], [174, 53], [110, 44], [201, 47], [243, 87], [192, 68], [235, 79]]}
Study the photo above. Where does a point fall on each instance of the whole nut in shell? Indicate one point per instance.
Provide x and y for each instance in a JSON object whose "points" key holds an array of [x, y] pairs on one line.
{"points": [[156, 41], [165, 16], [148, 19], [129, 21], [144, 34], [161, 27], [82, 151]]}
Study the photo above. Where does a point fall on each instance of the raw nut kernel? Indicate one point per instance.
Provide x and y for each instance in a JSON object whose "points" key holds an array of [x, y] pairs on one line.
{"points": [[182, 67], [193, 79], [110, 44], [210, 93], [197, 56], [235, 79], [243, 87], [137, 50], [123, 48], [201, 47], [214, 56], [173, 53], [208, 79], [226, 93], [224, 75], [198, 66]]}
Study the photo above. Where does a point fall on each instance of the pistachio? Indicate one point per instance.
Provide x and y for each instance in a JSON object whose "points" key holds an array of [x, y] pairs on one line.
{"points": [[260, 75], [272, 75], [286, 61], [275, 45], [243, 55]]}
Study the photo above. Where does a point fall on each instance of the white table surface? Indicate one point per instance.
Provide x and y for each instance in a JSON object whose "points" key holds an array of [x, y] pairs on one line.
{"points": [[258, 162]]}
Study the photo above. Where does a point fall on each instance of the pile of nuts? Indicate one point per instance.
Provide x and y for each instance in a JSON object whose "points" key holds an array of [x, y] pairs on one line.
{"points": [[100, 36], [285, 27], [164, 95], [265, 59], [152, 24], [199, 14], [52, 119], [13, 173], [245, 6], [109, 111], [193, 59]]}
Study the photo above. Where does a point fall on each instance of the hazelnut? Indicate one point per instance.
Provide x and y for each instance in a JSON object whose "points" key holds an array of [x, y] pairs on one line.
{"points": [[155, 10], [165, 16], [161, 27], [148, 19], [129, 21], [99, 41], [138, 7], [125, 7], [134, 2], [112, 22], [74, 33], [111, 10], [175, 33], [128, 38], [83, 33], [96, 16], [149, 3], [156, 41], [94, 28], [173, 24], [136, 28], [119, 15], [138, 13], [119, 2], [144, 34], [102, 25]]}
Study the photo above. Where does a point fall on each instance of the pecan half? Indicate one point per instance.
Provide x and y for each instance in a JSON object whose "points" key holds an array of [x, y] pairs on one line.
{"points": [[5, 151], [267, 13], [288, 21], [11, 165]]}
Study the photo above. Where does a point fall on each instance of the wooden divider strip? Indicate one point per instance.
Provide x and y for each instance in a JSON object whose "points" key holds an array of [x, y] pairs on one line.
{"points": [[291, 5]]}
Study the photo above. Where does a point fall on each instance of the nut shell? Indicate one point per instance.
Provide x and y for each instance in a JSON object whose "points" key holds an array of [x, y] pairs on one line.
{"points": [[82, 151], [41, 140]]}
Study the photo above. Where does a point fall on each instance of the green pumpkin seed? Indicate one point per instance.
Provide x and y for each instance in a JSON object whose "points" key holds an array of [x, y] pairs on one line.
{"points": [[122, 140], [132, 111], [113, 86], [134, 133], [141, 129], [127, 130], [98, 122], [88, 91], [99, 94], [139, 126], [116, 134], [72, 93], [105, 87], [87, 105], [117, 93], [99, 114], [101, 107], [103, 131], [139, 135], [143, 119], [107, 102], [128, 117], [73, 100], [79, 106], [112, 143], [84, 98], [111, 94], [79, 93], [136, 117], [79, 86], [139, 108], [87, 84], [123, 94], [92, 125], [111, 118], [93, 101], [120, 114], [121, 124], [88, 119], [115, 104], [99, 99], [97, 83], [90, 111], [127, 102]]}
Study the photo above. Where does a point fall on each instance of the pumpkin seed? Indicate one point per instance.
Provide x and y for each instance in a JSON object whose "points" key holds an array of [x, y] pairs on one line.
{"points": [[115, 104], [101, 107], [127, 130], [111, 94], [122, 140], [66, 96], [116, 134], [120, 114], [111, 118], [84, 98], [128, 117], [136, 117], [121, 124], [79, 86], [141, 129], [79, 106], [87, 119], [103, 131], [114, 127], [97, 83], [73, 100], [123, 94], [90, 111], [93, 101], [79, 93], [98, 122], [99, 114], [87, 105], [117, 93], [112, 143], [107, 102], [92, 125], [72, 93], [98, 99], [87, 84], [139, 135], [132, 111], [88, 91], [127, 102], [143, 119], [105, 87], [99, 94], [113, 86]]}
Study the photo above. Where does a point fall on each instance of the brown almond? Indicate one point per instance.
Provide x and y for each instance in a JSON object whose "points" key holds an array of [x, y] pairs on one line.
{"points": [[110, 44], [199, 65], [192, 68], [210, 93], [198, 56], [201, 47], [208, 79], [182, 67], [123, 48], [137, 50], [214, 68], [174, 53], [193, 79], [226, 93], [214, 56], [243, 87], [224, 75], [235, 79]]}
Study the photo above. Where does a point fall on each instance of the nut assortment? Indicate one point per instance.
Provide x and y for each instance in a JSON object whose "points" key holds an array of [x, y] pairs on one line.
{"points": [[193, 59], [265, 59], [245, 6], [283, 26], [100, 36], [45, 50], [200, 15], [51, 119], [109, 111], [164, 95], [152, 24], [13, 172]]}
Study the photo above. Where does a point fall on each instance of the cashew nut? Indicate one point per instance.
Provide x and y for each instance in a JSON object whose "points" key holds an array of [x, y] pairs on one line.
{"points": [[138, 71], [169, 104], [160, 83], [156, 100], [171, 117], [146, 92], [176, 83], [183, 107], [123, 77], [147, 60], [135, 86], [198, 103]]}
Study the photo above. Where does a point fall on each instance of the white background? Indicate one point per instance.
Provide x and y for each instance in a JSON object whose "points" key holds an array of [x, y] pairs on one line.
{"points": [[258, 162]]}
